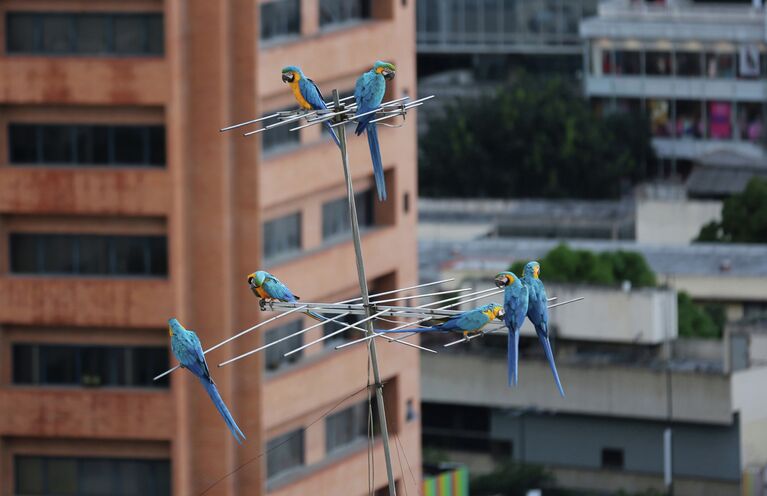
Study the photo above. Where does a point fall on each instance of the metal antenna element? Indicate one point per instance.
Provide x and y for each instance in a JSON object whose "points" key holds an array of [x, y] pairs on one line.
{"points": [[499, 327], [339, 114], [297, 308], [486, 293]]}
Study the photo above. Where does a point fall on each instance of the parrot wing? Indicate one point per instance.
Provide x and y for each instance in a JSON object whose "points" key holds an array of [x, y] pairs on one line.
{"points": [[198, 357], [471, 320], [312, 94], [277, 290]]}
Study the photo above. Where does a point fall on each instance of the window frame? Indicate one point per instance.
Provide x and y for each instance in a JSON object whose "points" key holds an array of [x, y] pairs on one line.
{"points": [[71, 17], [279, 253]]}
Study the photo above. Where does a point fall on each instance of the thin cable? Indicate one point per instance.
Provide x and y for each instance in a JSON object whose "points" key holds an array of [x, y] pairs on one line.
{"points": [[300, 432], [418, 488], [399, 445], [371, 435]]}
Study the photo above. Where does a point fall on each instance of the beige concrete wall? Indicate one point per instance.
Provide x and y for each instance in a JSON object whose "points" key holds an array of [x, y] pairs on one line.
{"points": [[673, 222], [640, 392], [749, 400]]}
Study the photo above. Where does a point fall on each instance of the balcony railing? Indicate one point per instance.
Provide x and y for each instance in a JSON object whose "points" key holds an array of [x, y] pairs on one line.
{"points": [[680, 11]]}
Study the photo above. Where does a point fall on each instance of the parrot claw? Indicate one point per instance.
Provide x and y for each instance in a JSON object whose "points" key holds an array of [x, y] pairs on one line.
{"points": [[262, 304]]}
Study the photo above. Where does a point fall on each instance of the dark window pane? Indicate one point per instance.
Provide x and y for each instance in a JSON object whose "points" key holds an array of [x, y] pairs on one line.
{"points": [[130, 255], [335, 218], [129, 145], [130, 31], [161, 470], [58, 254], [612, 458], [344, 11], [61, 476], [56, 33], [24, 363], [58, 364], [29, 475], [22, 33], [280, 18], [22, 143], [157, 145], [92, 144], [282, 236], [24, 254], [95, 363], [135, 478], [275, 354], [92, 34], [156, 38], [97, 477], [158, 255], [94, 255], [146, 362], [336, 326], [365, 208], [285, 452], [57, 144], [280, 138], [346, 427]]}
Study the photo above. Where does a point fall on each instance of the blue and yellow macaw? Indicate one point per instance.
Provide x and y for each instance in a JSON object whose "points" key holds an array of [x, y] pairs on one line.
{"points": [[369, 92], [307, 93], [468, 322], [515, 303], [188, 350], [538, 313], [269, 288]]}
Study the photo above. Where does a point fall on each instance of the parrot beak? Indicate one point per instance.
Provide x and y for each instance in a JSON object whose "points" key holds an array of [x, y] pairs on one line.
{"points": [[287, 77], [388, 74], [501, 281], [252, 284]]}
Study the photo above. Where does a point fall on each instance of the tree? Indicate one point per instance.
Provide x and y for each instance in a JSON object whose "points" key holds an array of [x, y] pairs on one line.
{"points": [[534, 138], [563, 264], [696, 321], [744, 217]]}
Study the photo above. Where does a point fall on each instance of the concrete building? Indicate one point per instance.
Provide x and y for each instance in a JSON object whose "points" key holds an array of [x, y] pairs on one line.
{"points": [[697, 69], [626, 373], [121, 205]]}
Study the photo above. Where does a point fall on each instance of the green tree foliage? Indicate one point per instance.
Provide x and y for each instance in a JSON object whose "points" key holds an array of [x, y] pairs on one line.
{"points": [[563, 264], [699, 321], [535, 138], [744, 217]]}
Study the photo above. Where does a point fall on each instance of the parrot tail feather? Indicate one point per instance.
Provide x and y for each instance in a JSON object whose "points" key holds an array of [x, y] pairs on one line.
{"points": [[415, 329], [513, 357], [210, 387], [333, 133], [316, 316], [550, 357], [375, 154]]}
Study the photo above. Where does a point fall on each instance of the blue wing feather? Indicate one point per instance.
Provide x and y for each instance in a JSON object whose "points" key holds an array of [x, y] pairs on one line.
{"points": [[313, 96], [277, 290]]}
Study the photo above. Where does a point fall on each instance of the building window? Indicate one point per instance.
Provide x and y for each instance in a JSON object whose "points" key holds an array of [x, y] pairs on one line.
{"points": [[88, 254], [284, 453], [84, 34], [86, 145], [44, 476], [612, 458], [89, 366], [275, 354], [282, 236], [280, 138], [346, 427], [335, 215], [339, 12], [280, 19], [347, 335], [689, 64]]}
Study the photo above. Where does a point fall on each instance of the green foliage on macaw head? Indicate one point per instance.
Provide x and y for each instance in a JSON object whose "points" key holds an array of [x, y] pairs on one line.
{"points": [[257, 278], [385, 69], [532, 269], [290, 72], [503, 279], [174, 326]]}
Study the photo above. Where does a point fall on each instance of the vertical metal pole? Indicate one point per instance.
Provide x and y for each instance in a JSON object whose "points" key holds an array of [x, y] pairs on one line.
{"points": [[365, 298]]}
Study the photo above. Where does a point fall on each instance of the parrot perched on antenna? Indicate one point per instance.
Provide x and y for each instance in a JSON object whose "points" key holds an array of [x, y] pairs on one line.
{"points": [[538, 313], [269, 288], [515, 304], [369, 92], [187, 348], [307, 93], [468, 322]]}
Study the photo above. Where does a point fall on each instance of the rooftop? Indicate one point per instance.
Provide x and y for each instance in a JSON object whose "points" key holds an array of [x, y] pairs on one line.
{"points": [[699, 259]]}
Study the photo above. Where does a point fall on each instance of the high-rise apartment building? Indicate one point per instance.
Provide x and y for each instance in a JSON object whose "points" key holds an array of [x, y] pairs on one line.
{"points": [[121, 205]]}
